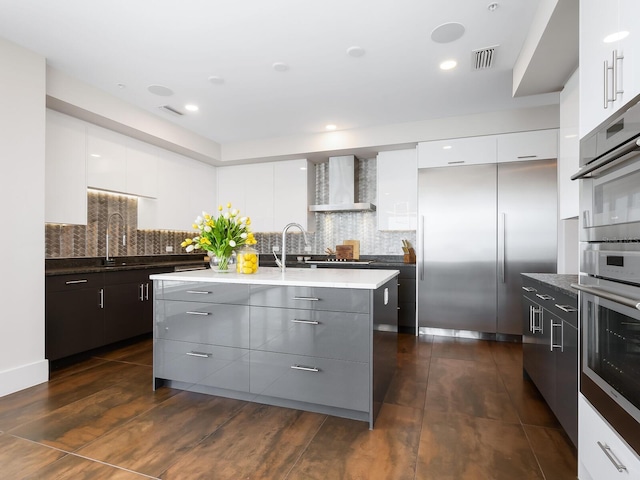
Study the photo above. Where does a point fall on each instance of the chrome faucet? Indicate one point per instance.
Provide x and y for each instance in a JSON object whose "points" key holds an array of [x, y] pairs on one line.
{"points": [[124, 236], [281, 262]]}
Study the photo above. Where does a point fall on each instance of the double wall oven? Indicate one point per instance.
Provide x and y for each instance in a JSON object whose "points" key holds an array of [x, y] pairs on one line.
{"points": [[609, 283]]}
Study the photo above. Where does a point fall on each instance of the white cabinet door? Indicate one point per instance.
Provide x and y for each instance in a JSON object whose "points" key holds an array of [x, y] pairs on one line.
{"points": [[628, 20], [141, 168], [568, 149], [186, 187], [106, 159], [259, 196], [523, 146], [397, 203], [291, 194], [65, 170], [458, 151], [592, 431], [598, 19]]}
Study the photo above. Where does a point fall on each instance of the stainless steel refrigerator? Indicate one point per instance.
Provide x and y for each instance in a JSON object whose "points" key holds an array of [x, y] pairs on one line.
{"points": [[480, 227]]}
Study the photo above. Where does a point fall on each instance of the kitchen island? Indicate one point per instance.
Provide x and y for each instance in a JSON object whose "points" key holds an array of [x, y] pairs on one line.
{"points": [[322, 340]]}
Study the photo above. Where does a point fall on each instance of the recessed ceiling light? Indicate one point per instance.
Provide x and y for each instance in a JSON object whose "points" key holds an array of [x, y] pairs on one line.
{"points": [[331, 126], [447, 147], [280, 67], [492, 6], [216, 80], [121, 85], [447, 32], [355, 51], [614, 37], [448, 64], [303, 168], [160, 90], [95, 155], [191, 107]]}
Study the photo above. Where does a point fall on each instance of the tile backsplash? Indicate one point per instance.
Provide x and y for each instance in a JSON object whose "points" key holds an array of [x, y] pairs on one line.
{"points": [[331, 229]]}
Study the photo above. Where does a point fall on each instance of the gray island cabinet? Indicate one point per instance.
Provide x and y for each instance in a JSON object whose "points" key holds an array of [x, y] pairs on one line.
{"points": [[322, 340]]}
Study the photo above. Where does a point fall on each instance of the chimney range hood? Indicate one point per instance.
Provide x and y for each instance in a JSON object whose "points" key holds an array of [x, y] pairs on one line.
{"points": [[342, 188]]}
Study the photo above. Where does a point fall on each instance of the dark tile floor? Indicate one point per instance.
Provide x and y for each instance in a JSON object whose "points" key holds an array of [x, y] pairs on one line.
{"points": [[457, 409]]}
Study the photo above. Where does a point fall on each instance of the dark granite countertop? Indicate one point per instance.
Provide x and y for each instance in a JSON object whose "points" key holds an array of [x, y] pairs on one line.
{"points": [[558, 281], [71, 266]]}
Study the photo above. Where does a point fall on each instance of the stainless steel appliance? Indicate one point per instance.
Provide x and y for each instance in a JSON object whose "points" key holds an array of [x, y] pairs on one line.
{"points": [[480, 227], [610, 330], [609, 283]]}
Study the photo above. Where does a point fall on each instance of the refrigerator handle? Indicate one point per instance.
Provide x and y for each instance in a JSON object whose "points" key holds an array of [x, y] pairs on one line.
{"points": [[501, 247], [421, 252]]}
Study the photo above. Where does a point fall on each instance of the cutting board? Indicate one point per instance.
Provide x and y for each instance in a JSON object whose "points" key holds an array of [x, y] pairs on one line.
{"points": [[344, 252], [356, 248]]}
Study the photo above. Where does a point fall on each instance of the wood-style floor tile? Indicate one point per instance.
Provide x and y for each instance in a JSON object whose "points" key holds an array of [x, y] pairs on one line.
{"points": [[77, 468], [468, 387], [261, 442], [20, 458], [415, 346], [462, 349], [348, 450], [153, 441], [140, 353], [460, 447], [409, 384], [35, 402], [528, 402], [555, 452], [75, 425]]}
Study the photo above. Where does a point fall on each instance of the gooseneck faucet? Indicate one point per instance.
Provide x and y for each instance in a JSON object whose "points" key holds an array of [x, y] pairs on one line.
{"points": [[282, 262], [124, 236]]}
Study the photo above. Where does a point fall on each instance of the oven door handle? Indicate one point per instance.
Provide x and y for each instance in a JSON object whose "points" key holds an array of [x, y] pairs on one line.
{"points": [[607, 295], [608, 158]]}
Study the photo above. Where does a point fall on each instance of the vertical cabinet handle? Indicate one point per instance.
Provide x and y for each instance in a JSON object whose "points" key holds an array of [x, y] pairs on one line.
{"points": [[141, 297], [101, 301], [561, 344], [502, 238], [616, 60], [605, 83], [421, 245], [146, 291], [611, 456]]}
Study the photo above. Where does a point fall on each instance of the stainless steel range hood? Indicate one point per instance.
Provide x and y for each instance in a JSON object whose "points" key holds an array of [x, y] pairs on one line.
{"points": [[342, 188]]}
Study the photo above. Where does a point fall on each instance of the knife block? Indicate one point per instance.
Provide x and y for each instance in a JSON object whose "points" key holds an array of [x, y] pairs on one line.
{"points": [[411, 256]]}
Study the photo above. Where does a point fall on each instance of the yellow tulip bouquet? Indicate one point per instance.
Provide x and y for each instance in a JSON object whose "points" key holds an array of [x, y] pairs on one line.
{"points": [[220, 236]]}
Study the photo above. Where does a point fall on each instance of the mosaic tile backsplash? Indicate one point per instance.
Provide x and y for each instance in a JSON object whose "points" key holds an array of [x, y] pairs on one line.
{"points": [[331, 229]]}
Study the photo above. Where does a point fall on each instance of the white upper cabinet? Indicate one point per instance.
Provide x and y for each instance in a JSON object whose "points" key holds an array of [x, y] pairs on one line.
{"points": [[185, 189], [522, 146], [609, 71], [65, 171], [106, 159], [568, 149], [457, 152], [291, 194], [397, 187], [118, 163], [271, 194]]}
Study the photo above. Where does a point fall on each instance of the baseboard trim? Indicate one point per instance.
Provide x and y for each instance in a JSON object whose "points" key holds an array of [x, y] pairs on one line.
{"points": [[24, 376]]}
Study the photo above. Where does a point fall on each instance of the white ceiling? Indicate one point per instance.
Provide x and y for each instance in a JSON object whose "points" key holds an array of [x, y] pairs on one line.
{"points": [[181, 44]]}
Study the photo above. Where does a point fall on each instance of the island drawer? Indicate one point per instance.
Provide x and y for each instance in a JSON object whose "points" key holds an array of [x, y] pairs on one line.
{"points": [[344, 336], [196, 363], [329, 382], [311, 298], [202, 292], [207, 323]]}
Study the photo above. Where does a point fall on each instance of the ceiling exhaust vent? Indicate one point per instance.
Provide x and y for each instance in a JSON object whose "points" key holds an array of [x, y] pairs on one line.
{"points": [[483, 58], [170, 109]]}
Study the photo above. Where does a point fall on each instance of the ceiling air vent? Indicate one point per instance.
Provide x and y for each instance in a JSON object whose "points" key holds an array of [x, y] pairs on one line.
{"points": [[170, 109], [483, 58]]}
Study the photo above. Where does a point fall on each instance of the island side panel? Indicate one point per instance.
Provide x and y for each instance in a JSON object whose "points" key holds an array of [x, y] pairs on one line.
{"points": [[384, 343]]}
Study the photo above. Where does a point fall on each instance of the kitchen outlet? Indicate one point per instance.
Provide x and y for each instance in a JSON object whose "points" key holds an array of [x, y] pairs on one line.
{"points": [[169, 248], [276, 248], [307, 248]]}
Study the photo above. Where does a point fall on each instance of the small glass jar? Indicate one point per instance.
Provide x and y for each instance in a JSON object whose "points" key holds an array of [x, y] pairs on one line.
{"points": [[247, 260]]}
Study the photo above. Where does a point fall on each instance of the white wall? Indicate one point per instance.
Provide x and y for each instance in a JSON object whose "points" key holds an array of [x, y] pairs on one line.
{"points": [[22, 137]]}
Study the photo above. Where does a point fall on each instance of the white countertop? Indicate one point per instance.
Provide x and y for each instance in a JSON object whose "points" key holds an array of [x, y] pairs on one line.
{"points": [[303, 277]]}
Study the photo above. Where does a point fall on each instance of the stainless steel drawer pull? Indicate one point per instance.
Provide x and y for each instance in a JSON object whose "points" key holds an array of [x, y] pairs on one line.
{"points": [[199, 354], [529, 289], [308, 299], [306, 369], [73, 282], [544, 296], [567, 308], [198, 313], [556, 345], [306, 322], [141, 298], [198, 292], [611, 456]]}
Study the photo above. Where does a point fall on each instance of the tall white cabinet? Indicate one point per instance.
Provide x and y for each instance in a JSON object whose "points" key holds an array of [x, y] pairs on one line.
{"points": [[65, 170], [397, 187]]}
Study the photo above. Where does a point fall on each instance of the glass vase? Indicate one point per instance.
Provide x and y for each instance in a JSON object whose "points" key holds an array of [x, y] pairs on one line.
{"points": [[247, 260], [221, 263]]}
